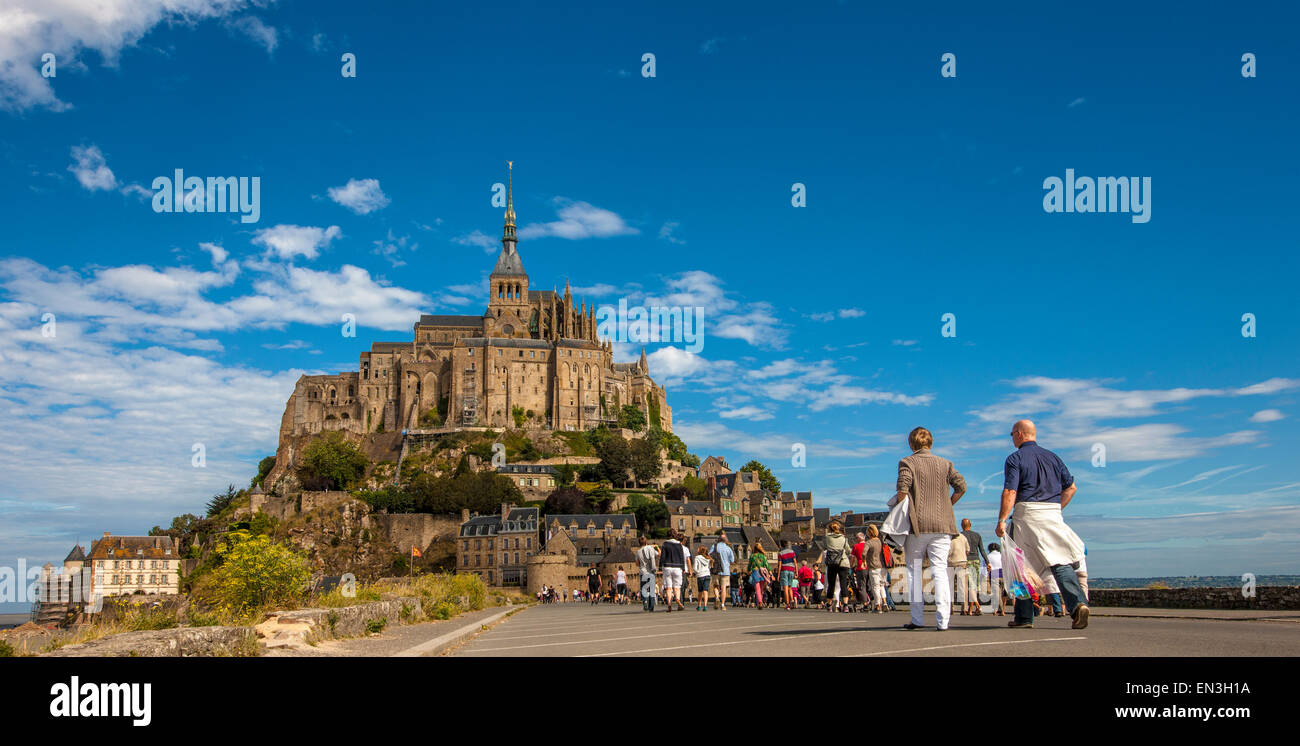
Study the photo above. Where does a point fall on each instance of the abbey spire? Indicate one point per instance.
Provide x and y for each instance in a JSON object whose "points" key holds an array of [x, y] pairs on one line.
{"points": [[508, 263]]}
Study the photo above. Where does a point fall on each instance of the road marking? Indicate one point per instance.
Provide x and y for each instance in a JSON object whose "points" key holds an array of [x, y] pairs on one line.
{"points": [[720, 644], [962, 645], [640, 637]]}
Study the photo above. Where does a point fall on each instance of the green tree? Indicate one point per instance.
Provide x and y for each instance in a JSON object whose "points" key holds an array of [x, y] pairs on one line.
{"points": [[645, 461], [615, 459], [257, 573], [222, 500], [649, 512], [479, 492], [263, 468], [566, 474], [331, 462], [518, 414], [765, 478], [632, 418], [698, 488], [599, 499], [566, 501]]}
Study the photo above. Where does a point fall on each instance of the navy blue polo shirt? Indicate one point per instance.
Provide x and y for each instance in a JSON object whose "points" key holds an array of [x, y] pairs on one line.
{"points": [[1036, 474]]}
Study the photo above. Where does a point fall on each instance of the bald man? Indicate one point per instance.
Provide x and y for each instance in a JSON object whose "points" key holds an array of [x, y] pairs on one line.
{"points": [[1036, 487]]}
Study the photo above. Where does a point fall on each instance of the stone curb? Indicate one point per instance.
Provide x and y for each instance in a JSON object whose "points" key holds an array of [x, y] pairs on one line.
{"points": [[442, 642]]}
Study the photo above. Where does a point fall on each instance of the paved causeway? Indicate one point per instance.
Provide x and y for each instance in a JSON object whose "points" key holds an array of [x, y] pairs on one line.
{"points": [[584, 630]]}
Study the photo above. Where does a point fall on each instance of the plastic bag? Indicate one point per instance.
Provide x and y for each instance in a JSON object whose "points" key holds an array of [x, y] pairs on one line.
{"points": [[1020, 578], [899, 522]]}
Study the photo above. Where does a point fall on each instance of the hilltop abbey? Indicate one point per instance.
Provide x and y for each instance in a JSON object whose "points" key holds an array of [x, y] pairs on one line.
{"points": [[532, 356]]}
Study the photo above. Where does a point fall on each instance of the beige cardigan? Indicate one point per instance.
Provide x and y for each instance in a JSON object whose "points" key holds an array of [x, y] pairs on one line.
{"points": [[925, 478]]}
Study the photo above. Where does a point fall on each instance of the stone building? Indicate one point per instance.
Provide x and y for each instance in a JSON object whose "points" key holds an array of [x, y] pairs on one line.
{"points": [[531, 356], [497, 547], [712, 467], [535, 481], [694, 517], [121, 565]]}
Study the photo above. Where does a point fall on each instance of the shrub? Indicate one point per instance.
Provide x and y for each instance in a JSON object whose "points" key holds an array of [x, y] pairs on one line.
{"points": [[257, 573], [331, 462], [375, 626], [6, 650]]}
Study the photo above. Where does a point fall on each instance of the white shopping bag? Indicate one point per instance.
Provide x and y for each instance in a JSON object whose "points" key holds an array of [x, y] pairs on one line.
{"points": [[899, 523]]}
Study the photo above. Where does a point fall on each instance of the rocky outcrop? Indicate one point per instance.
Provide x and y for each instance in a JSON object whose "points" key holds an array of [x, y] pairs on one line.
{"points": [[183, 642], [305, 627]]}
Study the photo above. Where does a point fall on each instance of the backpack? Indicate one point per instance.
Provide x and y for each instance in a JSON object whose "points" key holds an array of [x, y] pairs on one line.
{"points": [[834, 557]]}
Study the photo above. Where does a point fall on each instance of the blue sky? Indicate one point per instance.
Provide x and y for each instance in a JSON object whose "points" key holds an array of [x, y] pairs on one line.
{"points": [[822, 323]]}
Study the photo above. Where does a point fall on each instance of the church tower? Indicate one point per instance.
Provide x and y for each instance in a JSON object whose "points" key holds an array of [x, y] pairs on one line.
{"points": [[508, 307]]}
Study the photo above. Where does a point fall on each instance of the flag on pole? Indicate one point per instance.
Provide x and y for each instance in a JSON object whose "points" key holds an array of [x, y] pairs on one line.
{"points": [[415, 552]]}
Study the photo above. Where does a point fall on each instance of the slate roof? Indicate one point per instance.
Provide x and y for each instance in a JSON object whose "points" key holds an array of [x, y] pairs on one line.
{"points": [[617, 520], [436, 320], [506, 342], [526, 469], [509, 264], [132, 547], [690, 507], [760, 535], [518, 519], [76, 555]]}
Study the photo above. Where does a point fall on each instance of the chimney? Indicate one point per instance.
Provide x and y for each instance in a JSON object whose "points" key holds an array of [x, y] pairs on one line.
{"points": [[505, 511], [464, 515], [106, 534]]}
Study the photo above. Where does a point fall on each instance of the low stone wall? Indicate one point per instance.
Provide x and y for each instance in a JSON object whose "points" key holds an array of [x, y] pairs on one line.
{"points": [[405, 530], [309, 626], [323, 499], [1268, 598], [167, 643]]}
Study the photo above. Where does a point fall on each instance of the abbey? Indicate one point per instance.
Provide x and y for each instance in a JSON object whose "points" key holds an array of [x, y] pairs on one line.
{"points": [[532, 358]]}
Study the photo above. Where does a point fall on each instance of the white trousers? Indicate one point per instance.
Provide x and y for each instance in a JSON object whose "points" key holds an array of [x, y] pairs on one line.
{"points": [[935, 547]]}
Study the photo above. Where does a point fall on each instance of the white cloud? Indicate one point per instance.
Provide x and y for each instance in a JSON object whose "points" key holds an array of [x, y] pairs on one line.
{"points": [[843, 313], [137, 302], [478, 238], [579, 220], [219, 254], [666, 233], [361, 196], [99, 437], [391, 248], [1076, 102], [254, 29], [289, 241], [1076, 413], [91, 169], [66, 28], [749, 413], [1267, 415]]}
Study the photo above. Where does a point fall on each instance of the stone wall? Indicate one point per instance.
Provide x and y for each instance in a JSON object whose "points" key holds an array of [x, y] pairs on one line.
{"points": [[405, 530], [1272, 598], [326, 499], [177, 642]]}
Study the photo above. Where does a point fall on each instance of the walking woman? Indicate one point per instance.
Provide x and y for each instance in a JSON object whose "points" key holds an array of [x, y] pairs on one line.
{"points": [[875, 567], [924, 479], [836, 557], [758, 573]]}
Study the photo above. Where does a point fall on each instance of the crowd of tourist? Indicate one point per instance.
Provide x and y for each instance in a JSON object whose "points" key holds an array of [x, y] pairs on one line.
{"points": [[855, 574]]}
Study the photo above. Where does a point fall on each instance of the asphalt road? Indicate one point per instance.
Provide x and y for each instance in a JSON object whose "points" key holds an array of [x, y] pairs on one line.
{"points": [[584, 630]]}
